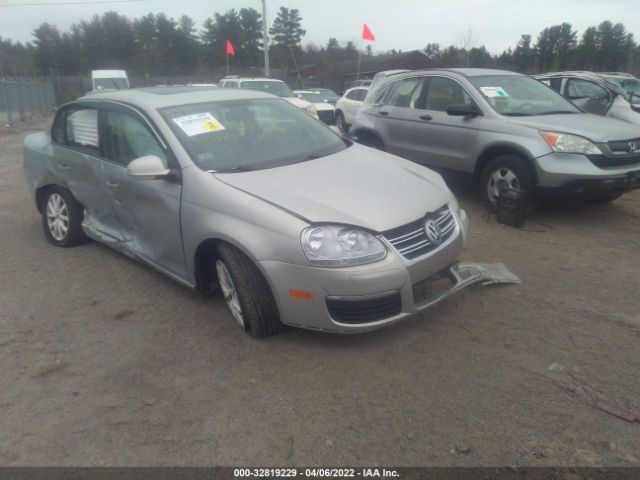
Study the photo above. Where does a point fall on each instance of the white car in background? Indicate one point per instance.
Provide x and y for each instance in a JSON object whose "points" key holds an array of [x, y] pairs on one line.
{"points": [[326, 111], [348, 106], [272, 86]]}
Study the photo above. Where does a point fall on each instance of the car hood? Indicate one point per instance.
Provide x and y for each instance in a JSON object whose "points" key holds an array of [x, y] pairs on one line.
{"points": [[357, 186], [323, 106], [594, 127]]}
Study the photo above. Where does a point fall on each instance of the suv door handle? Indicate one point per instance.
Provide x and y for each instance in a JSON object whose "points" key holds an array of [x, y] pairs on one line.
{"points": [[64, 167], [383, 112], [426, 116], [112, 185]]}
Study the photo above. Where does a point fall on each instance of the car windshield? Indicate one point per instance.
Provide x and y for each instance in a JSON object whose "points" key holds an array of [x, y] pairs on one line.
{"points": [[242, 135], [280, 89], [515, 95], [118, 83], [629, 88], [310, 97]]}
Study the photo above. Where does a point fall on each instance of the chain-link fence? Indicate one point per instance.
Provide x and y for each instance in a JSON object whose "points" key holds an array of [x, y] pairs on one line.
{"points": [[24, 98]]}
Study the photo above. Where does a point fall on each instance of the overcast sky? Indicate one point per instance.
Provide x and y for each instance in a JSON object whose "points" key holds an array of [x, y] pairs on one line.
{"points": [[403, 24]]}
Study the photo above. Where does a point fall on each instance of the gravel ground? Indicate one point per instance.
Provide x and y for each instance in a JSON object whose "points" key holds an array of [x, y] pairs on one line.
{"points": [[105, 362]]}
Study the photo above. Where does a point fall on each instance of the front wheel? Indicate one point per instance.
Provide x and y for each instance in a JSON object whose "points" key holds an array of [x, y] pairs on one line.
{"points": [[505, 171], [62, 218], [247, 293]]}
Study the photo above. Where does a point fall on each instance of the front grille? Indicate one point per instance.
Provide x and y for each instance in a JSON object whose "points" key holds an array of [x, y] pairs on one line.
{"points": [[359, 310], [623, 145], [411, 240], [326, 116], [604, 162]]}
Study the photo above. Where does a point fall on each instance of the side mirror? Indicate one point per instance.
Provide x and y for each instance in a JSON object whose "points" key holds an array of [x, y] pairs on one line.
{"points": [[149, 167], [463, 110]]}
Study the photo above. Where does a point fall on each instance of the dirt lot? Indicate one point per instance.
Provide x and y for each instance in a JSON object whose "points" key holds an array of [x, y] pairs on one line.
{"points": [[105, 362]]}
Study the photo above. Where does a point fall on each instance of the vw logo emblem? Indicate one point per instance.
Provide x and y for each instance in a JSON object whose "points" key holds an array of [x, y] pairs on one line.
{"points": [[632, 146], [432, 230]]}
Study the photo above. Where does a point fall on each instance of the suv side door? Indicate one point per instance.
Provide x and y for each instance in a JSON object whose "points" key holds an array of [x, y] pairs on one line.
{"points": [[77, 157], [146, 213], [588, 95], [401, 120]]}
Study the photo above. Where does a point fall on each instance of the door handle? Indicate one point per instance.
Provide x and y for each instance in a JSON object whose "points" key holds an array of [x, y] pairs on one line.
{"points": [[112, 185], [426, 116], [383, 112], [64, 167]]}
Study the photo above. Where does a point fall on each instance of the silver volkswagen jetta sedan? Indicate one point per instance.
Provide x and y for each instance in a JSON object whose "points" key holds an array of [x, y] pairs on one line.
{"points": [[296, 225]]}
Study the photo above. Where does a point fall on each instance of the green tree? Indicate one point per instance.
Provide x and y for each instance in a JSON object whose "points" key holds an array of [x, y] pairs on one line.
{"points": [[48, 46], [524, 55], [144, 32], [287, 35]]}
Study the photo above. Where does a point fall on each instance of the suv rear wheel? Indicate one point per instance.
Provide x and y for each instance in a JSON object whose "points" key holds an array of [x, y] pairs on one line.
{"points": [[341, 123], [505, 171]]}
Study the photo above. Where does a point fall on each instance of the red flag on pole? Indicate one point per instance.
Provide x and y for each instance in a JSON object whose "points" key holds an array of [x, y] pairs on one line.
{"points": [[230, 50], [367, 34]]}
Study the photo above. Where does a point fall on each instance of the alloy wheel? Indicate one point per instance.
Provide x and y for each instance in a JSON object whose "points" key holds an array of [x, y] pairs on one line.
{"points": [[57, 217], [502, 177], [230, 293]]}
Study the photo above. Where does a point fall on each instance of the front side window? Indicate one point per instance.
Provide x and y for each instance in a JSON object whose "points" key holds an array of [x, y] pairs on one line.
{"points": [[578, 88], [129, 139], [517, 95], [443, 92], [240, 135]]}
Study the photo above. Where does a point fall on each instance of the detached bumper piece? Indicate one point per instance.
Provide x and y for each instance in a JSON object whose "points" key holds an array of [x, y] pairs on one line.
{"points": [[355, 310], [460, 275]]}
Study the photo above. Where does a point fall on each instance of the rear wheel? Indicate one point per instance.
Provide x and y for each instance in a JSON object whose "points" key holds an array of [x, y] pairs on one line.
{"points": [[505, 171], [62, 218], [341, 123], [247, 293]]}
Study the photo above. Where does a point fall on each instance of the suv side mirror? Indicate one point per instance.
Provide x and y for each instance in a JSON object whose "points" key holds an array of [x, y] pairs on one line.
{"points": [[463, 110], [149, 167]]}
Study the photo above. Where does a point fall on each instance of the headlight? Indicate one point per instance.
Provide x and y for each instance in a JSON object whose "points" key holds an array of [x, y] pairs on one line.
{"points": [[340, 246], [311, 110], [567, 143]]}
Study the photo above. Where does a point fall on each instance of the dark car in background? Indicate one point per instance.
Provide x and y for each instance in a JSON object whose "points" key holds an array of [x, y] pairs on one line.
{"points": [[612, 94]]}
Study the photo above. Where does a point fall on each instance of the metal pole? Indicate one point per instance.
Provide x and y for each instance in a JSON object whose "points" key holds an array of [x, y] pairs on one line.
{"points": [[267, 69]]}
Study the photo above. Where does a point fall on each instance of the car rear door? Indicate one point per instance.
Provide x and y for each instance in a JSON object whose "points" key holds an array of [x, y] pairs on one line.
{"points": [[77, 157], [401, 121], [145, 212]]}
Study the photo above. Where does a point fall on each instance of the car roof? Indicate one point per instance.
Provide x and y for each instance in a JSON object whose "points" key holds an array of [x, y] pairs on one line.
{"points": [[158, 97]]}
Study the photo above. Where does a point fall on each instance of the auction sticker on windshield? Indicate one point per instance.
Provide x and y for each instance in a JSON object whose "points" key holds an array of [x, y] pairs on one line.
{"points": [[493, 92], [198, 123]]}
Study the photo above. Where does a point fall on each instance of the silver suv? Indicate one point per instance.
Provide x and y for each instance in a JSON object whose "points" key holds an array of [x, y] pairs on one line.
{"points": [[506, 129]]}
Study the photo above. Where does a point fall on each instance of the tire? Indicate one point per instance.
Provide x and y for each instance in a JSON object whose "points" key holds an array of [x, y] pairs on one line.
{"points": [[341, 123], [62, 217], [515, 173], [258, 309]]}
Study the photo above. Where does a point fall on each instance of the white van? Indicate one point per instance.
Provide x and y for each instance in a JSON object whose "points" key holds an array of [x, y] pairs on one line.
{"points": [[109, 80]]}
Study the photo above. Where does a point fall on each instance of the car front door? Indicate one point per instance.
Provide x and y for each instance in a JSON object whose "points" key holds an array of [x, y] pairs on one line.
{"points": [[77, 158], [146, 212], [588, 96], [448, 141]]}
